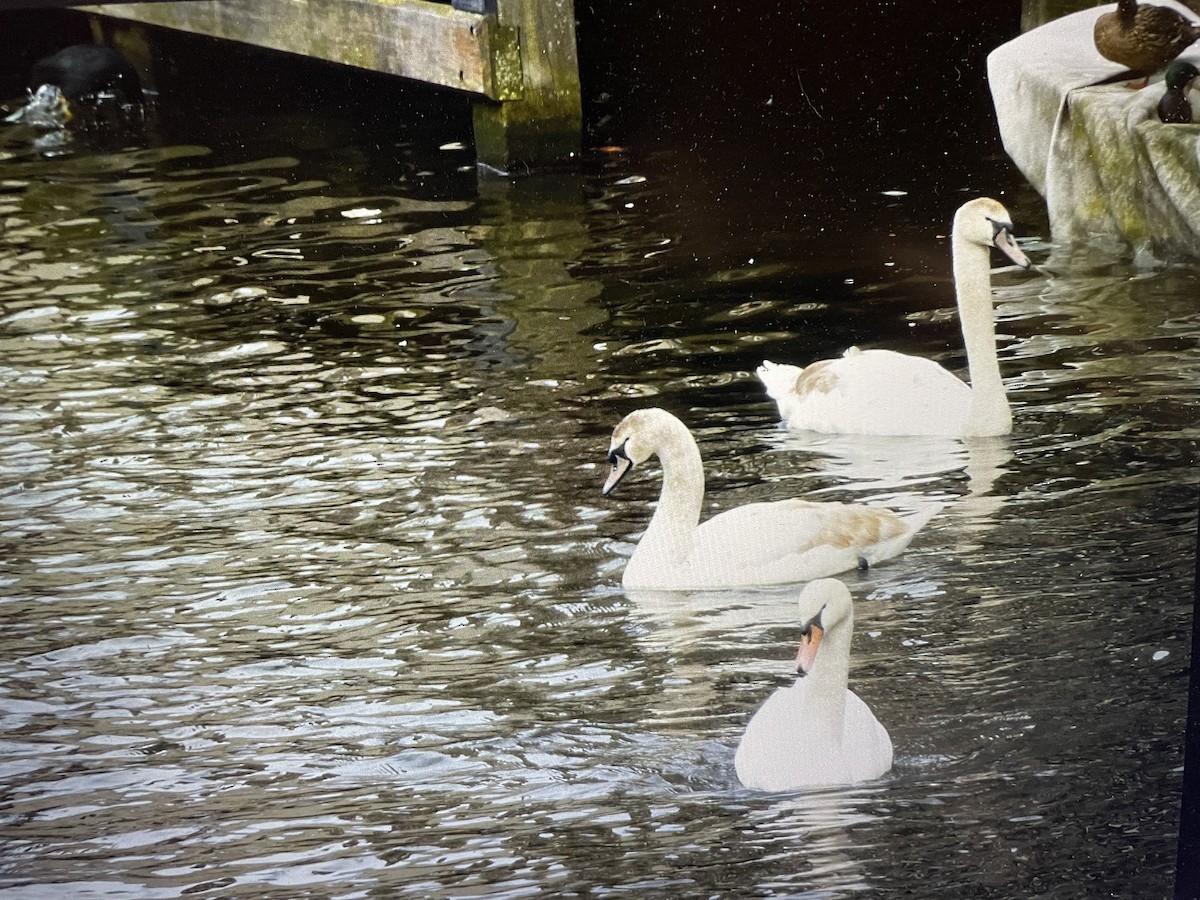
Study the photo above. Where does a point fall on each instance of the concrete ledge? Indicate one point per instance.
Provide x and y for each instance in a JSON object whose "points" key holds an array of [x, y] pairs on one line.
{"points": [[1111, 173]]}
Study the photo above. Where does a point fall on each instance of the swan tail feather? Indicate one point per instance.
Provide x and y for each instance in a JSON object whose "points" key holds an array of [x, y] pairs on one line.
{"points": [[913, 522], [778, 378], [917, 519]]}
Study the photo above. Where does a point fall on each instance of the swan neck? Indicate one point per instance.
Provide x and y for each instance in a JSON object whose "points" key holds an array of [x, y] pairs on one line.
{"points": [[673, 525], [973, 286], [831, 674], [822, 692]]}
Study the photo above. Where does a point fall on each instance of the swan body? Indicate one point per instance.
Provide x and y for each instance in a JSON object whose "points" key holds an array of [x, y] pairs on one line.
{"points": [[756, 544], [882, 392], [816, 731]]}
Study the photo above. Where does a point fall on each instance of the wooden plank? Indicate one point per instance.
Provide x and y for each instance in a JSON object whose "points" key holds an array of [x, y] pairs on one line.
{"points": [[543, 126], [428, 42]]}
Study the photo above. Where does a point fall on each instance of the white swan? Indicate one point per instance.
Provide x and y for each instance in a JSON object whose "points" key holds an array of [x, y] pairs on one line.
{"points": [[817, 731], [884, 392], [756, 544]]}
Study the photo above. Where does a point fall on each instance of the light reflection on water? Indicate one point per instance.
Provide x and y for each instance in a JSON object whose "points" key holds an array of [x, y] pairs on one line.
{"points": [[308, 583]]}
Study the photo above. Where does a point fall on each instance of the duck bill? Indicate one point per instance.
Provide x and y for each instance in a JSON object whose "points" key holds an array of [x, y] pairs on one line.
{"points": [[620, 466], [1007, 245], [810, 641]]}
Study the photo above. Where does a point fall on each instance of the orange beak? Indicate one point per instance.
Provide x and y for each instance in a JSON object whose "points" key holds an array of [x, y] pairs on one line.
{"points": [[810, 642]]}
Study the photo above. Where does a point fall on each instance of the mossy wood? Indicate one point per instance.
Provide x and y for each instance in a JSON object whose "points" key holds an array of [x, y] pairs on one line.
{"points": [[543, 126], [520, 63]]}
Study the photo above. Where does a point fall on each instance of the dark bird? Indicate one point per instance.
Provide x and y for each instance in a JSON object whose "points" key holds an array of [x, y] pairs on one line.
{"points": [[1143, 37], [76, 74], [1174, 108]]}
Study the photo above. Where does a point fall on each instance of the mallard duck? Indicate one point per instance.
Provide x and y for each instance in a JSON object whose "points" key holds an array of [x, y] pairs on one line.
{"points": [[1143, 37], [887, 393], [1174, 108], [78, 73], [779, 542], [816, 731]]}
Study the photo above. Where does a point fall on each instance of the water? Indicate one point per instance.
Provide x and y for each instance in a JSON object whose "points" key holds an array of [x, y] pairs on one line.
{"points": [[308, 587]]}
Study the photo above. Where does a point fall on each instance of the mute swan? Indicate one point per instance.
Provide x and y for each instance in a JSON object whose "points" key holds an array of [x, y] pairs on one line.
{"points": [[884, 392], [756, 544], [817, 731]]}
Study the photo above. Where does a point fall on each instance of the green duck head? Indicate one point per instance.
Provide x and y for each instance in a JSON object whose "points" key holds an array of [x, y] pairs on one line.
{"points": [[1180, 74]]}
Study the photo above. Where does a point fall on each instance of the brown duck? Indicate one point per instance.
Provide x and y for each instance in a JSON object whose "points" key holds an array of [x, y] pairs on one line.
{"points": [[1143, 37]]}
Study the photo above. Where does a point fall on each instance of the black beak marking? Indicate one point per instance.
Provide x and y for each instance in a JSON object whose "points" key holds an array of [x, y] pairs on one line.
{"points": [[619, 453], [999, 228], [621, 466], [806, 633], [815, 620]]}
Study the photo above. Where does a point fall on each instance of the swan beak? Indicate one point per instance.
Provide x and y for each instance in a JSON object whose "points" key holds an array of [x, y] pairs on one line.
{"points": [[810, 641], [621, 464], [1006, 244]]}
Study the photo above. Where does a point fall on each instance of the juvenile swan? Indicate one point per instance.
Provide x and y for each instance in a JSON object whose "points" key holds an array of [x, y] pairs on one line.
{"points": [[817, 731], [756, 544], [888, 393]]}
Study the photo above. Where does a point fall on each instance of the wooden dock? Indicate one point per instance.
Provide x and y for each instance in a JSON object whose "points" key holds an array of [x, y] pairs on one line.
{"points": [[518, 62]]}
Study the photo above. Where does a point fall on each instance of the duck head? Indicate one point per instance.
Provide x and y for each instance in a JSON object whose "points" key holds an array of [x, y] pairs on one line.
{"points": [[1180, 75]]}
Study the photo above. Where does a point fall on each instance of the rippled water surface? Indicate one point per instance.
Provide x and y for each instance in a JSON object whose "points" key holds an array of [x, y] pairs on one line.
{"points": [[308, 587]]}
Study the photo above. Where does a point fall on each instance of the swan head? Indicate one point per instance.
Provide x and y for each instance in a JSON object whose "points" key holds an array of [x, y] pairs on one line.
{"points": [[637, 437], [986, 222], [824, 604]]}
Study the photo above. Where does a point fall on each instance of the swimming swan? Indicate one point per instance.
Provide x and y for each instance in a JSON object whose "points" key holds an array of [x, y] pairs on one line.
{"points": [[756, 544], [817, 731], [888, 393]]}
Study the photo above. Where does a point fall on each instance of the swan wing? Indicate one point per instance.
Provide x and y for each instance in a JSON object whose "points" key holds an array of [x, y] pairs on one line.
{"points": [[872, 392], [790, 540], [788, 744], [866, 745]]}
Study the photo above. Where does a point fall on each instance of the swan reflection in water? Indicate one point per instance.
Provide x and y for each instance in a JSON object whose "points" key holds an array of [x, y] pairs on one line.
{"points": [[908, 471]]}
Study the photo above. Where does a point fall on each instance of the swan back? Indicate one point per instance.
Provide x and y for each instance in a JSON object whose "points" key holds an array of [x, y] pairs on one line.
{"points": [[817, 731]]}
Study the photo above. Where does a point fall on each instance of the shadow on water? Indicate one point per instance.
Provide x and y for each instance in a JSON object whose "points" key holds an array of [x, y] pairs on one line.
{"points": [[307, 579]]}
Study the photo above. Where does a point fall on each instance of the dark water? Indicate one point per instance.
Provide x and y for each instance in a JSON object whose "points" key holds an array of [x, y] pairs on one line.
{"points": [[308, 588]]}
